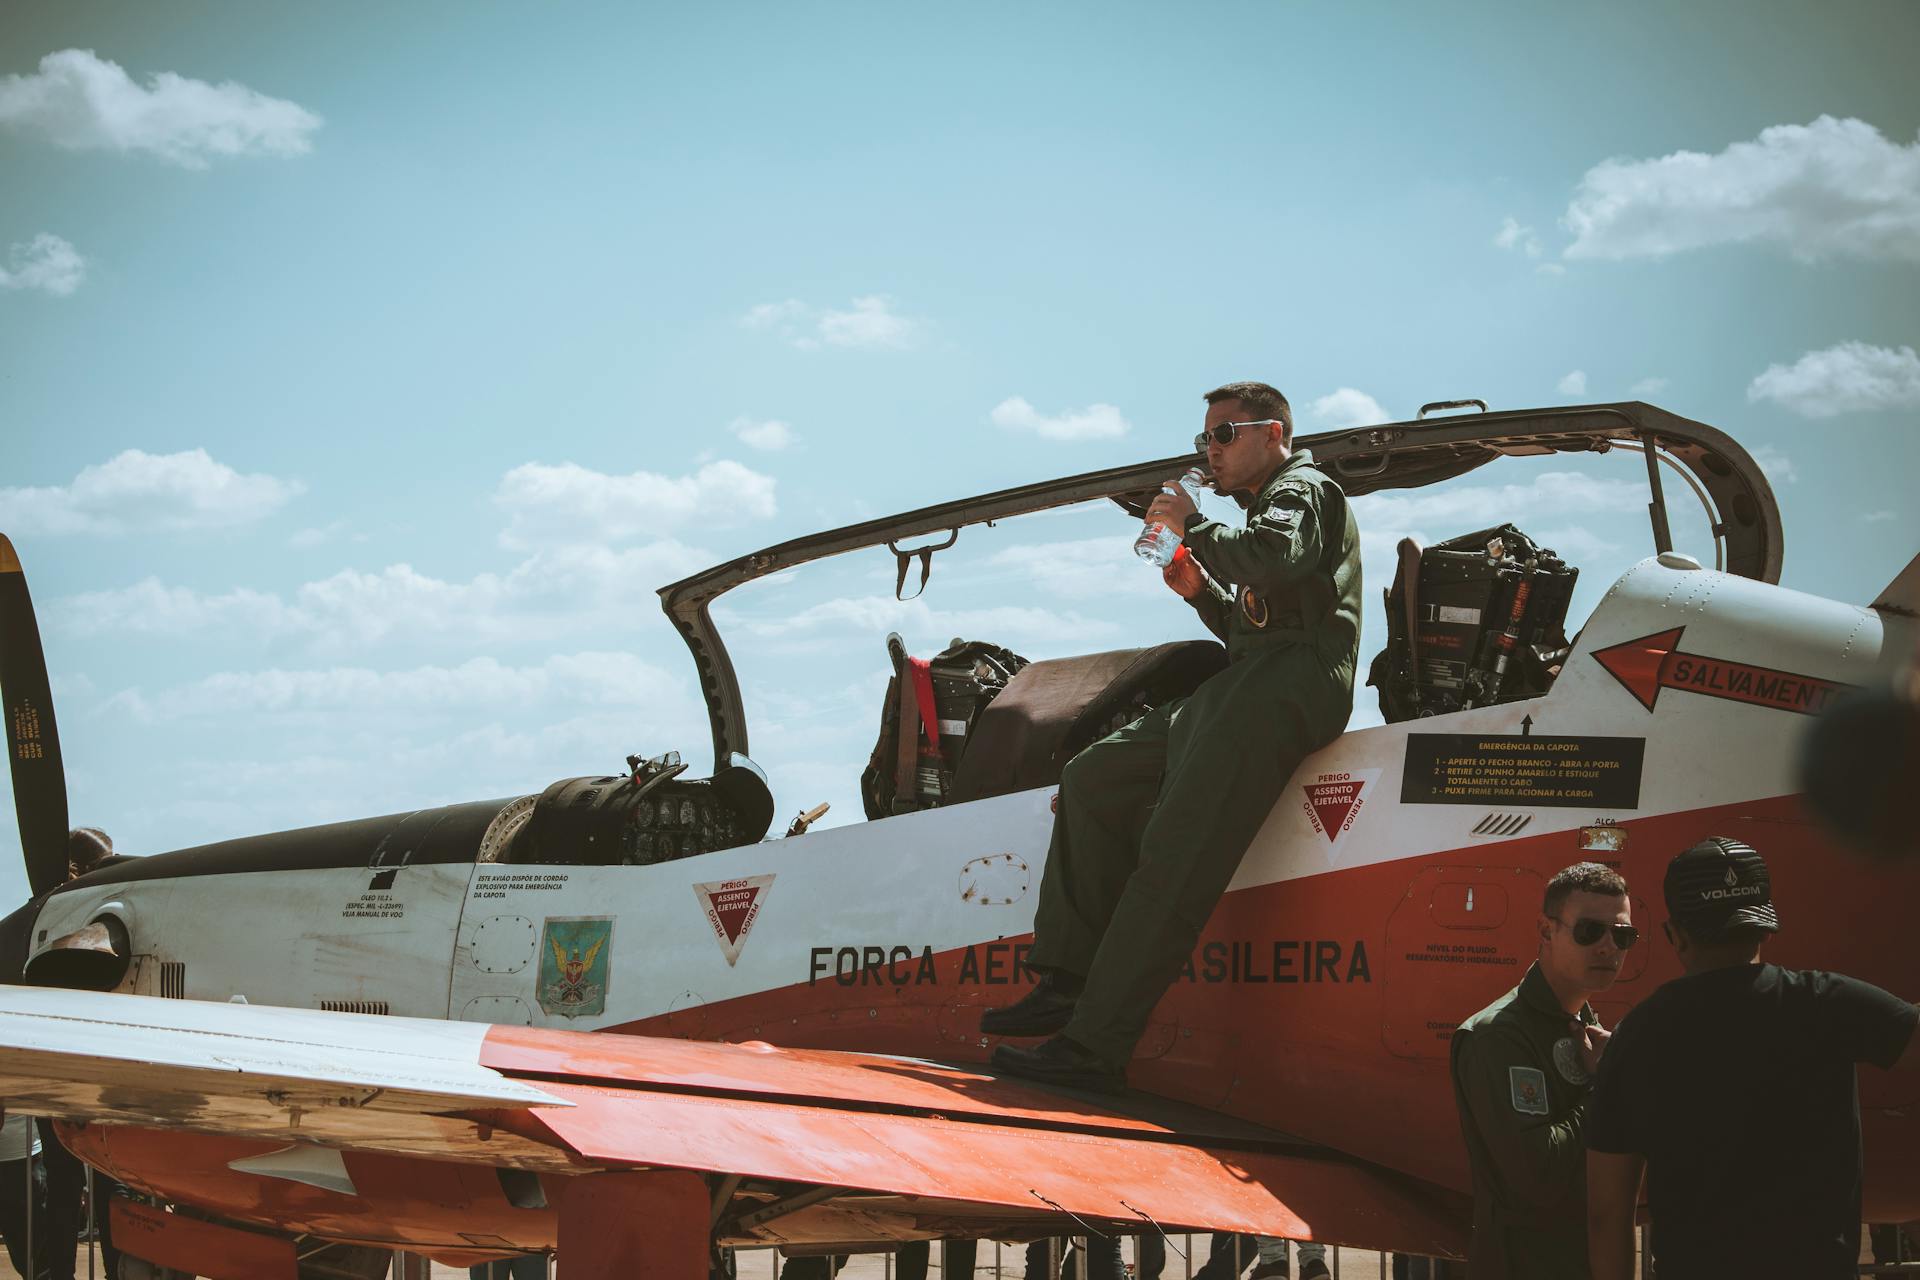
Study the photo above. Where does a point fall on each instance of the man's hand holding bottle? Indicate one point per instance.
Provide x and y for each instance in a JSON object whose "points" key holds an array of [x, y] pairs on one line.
{"points": [[1166, 518], [1184, 575], [1175, 503]]}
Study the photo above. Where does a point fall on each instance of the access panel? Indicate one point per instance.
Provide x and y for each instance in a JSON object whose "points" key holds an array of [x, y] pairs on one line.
{"points": [[1458, 938]]}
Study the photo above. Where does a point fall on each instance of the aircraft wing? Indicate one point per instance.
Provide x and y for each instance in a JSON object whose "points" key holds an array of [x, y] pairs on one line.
{"points": [[798, 1146], [378, 1084]]}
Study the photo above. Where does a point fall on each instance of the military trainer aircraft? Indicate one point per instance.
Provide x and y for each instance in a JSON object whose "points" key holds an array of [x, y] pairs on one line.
{"points": [[798, 1060]]}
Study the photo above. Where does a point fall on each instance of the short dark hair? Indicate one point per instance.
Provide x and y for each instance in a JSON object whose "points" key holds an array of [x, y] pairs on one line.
{"points": [[1581, 877], [1261, 399], [86, 846], [1734, 937]]}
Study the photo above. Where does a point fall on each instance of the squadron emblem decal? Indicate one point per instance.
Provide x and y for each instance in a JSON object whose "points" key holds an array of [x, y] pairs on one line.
{"points": [[732, 906], [575, 963], [1528, 1087]]}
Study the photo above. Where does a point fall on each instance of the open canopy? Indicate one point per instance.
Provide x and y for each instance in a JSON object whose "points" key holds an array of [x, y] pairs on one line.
{"points": [[1394, 455]]}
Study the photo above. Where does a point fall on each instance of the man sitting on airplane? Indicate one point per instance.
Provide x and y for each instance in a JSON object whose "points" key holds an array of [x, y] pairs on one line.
{"points": [[1522, 1070], [1154, 818]]}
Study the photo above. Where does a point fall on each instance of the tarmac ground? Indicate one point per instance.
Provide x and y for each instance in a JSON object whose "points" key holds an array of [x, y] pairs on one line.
{"points": [[994, 1261], [1007, 1262]]}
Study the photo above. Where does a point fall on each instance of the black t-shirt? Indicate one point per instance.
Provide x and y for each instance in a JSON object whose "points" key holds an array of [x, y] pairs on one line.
{"points": [[1737, 1085]]}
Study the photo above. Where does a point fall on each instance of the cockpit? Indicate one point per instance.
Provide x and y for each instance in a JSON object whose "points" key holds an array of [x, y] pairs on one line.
{"points": [[1474, 620]]}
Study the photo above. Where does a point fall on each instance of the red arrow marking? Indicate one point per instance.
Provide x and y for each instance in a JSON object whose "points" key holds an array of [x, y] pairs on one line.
{"points": [[1646, 666]]}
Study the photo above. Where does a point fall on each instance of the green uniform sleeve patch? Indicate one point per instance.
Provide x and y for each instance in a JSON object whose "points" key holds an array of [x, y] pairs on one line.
{"points": [[1528, 1085]]}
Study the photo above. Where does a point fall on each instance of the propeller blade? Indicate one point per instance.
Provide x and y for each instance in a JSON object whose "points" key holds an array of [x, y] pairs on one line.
{"points": [[33, 744]]}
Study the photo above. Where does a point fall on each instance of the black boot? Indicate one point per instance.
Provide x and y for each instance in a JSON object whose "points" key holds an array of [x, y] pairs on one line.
{"points": [[1044, 1011], [1060, 1061]]}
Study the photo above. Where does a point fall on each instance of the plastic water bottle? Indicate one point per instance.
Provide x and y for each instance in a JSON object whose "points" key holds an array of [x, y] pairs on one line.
{"points": [[1157, 542]]}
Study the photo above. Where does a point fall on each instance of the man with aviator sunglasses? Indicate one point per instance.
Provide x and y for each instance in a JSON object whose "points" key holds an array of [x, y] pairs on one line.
{"points": [[1522, 1069], [1154, 818]]}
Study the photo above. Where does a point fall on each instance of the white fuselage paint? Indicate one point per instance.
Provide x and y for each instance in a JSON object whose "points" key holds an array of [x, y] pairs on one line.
{"points": [[464, 941]]}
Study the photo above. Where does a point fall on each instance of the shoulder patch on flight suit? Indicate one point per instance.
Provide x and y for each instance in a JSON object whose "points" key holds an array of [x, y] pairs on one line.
{"points": [[1528, 1085], [1566, 1060], [1279, 517], [1254, 607]]}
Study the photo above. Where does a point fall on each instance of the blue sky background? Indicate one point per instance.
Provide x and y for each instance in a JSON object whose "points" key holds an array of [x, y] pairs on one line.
{"points": [[480, 315]]}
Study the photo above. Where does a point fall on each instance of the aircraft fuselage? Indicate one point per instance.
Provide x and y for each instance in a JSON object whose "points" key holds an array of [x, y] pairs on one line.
{"points": [[1393, 891]]}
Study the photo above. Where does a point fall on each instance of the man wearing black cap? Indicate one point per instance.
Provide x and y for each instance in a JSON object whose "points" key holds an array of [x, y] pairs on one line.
{"points": [[1522, 1068], [1733, 1087]]}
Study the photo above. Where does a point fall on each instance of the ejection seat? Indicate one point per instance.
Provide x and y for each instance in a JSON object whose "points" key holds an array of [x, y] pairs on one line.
{"points": [[1471, 622], [957, 727], [1052, 710]]}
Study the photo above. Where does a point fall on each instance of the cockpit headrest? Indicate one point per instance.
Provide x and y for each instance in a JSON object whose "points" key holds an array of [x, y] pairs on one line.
{"points": [[741, 783]]}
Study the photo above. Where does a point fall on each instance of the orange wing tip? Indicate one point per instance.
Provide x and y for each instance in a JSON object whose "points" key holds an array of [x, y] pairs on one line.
{"points": [[9, 562]]}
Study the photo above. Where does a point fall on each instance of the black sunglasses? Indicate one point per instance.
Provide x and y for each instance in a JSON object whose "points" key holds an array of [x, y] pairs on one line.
{"points": [[1587, 932], [1224, 433]]}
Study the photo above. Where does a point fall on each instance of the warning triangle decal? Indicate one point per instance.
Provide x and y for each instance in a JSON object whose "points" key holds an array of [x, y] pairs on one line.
{"points": [[731, 907], [1333, 801]]}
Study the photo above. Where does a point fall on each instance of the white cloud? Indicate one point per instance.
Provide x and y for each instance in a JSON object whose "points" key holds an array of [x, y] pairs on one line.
{"points": [[1833, 188], [82, 102], [868, 321], [1775, 464], [1649, 386], [321, 535], [151, 607], [834, 621], [871, 322], [1877, 517], [1455, 509], [137, 491], [1346, 407], [1574, 384], [772, 315], [568, 503], [1579, 544], [1549, 269], [770, 436], [565, 591], [484, 683], [1095, 422], [577, 580], [1852, 377], [1080, 569], [362, 740], [1513, 236], [46, 263]]}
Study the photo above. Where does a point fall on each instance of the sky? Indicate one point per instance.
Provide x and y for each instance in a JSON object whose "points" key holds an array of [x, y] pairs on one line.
{"points": [[365, 370]]}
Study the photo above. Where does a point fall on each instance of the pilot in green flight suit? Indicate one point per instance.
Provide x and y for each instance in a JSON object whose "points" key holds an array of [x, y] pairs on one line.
{"points": [[1522, 1069], [1153, 820]]}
